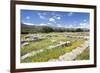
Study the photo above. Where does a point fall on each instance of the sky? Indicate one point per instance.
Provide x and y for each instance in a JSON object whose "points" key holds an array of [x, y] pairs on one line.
{"points": [[55, 18]]}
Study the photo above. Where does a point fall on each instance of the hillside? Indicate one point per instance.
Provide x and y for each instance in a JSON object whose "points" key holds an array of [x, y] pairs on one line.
{"points": [[25, 29]]}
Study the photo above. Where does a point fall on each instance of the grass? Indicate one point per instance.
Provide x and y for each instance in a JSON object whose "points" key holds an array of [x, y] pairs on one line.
{"points": [[35, 46], [41, 44], [84, 55], [74, 45], [44, 56], [48, 54]]}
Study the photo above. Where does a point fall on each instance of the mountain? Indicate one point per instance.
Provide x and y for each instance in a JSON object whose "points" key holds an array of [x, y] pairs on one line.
{"points": [[34, 29], [25, 29]]}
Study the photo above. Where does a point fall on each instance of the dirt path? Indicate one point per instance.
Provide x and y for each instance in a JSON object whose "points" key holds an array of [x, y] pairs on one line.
{"points": [[73, 54]]}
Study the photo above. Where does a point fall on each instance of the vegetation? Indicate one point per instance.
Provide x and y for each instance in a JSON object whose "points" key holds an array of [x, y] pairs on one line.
{"points": [[25, 29], [42, 44], [35, 46], [84, 55], [52, 53], [52, 36]]}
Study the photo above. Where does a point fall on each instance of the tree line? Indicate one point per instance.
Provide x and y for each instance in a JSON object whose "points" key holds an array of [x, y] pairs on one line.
{"points": [[47, 29]]}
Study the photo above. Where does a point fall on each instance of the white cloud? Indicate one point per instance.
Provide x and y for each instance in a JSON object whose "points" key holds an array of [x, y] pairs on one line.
{"points": [[42, 24], [58, 18], [52, 19], [85, 20], [48, 23], [41, 16], [83, 25], [70, 13], [65, 25], [69, 26], [59, 25], [28, 23], [27, 17]]}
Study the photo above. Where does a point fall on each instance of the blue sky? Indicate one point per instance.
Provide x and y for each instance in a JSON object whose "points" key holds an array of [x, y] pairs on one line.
{"points": [[55, 19]]}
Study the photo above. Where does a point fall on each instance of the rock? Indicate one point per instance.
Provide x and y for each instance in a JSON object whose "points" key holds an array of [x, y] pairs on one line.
{"points": [[24, 43]]}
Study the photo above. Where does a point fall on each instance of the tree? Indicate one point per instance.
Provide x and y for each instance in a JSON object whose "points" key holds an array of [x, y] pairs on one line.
{"points": [[47, 29], [79, 30]]}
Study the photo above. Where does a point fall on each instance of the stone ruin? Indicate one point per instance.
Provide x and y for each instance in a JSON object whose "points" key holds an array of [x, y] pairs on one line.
{"points": [[61, 44], [30, 38]]}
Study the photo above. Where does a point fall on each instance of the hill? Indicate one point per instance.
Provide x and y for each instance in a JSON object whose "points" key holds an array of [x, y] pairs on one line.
{"points": [[25, 29]]}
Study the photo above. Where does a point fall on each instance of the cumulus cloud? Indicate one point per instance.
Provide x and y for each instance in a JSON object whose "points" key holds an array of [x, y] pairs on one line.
{"points": [[42, 24], [58, 18], [52, 19], [27, 17], [28, 23], [59, 25], [84, 25], [68, 26], [48, 23], [41, 16], [85, 20], [51, 24]]}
